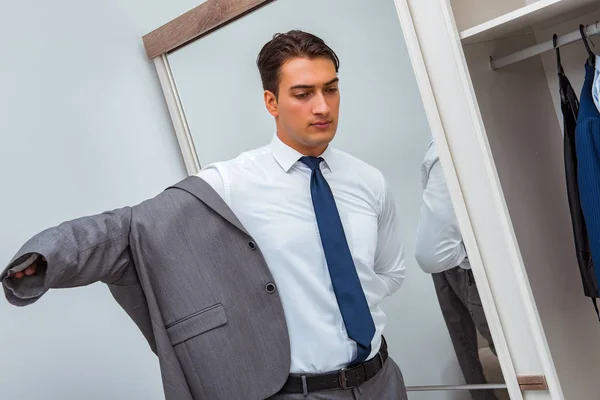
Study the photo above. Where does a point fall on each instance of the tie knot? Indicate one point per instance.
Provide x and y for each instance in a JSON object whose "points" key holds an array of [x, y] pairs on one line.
{"points": [[312, 162]]}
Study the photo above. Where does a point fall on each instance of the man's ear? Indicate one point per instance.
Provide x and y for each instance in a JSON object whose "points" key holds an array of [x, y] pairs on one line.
{"points": [[271, 103]]}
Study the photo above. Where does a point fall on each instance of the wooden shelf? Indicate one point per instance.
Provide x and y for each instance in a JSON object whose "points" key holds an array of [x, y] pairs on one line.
{"points": [[523, 18]]}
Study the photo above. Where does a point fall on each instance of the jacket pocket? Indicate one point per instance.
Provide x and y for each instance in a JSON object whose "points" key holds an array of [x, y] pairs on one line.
{"points": [[196, 324]]}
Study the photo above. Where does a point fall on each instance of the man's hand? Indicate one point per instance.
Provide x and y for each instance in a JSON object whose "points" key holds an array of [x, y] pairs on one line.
{"points": [[31, 270]]}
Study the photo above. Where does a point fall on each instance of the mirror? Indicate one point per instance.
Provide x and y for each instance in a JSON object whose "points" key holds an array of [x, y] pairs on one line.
{"points": [[382, 122]]}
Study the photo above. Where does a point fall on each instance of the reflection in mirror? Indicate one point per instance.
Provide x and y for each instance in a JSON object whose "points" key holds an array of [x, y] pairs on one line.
{"points": [[439, 251], [434, 324]]}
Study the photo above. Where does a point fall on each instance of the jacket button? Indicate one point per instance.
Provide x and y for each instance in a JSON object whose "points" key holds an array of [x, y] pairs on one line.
{"points": [[252, 245], [270, 288]]}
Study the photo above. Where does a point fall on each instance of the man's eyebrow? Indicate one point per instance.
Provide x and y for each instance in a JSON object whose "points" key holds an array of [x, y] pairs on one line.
{"points": [[331, 82], [302, 87]]}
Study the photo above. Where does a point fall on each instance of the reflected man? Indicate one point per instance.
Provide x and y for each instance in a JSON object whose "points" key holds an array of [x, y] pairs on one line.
{"points": [[440, 251]]}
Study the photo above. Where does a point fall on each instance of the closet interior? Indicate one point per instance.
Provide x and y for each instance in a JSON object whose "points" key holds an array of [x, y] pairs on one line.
{"points": [[508, 48]]}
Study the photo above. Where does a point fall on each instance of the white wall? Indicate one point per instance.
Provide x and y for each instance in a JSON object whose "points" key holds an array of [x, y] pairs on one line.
{"points": [[83, 128], [382, 121]]}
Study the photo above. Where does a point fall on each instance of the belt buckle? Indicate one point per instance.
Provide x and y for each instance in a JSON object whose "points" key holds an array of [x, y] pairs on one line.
{"points": [[343, 379]]}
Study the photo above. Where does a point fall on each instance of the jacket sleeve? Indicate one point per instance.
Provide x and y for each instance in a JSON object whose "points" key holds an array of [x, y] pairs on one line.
{"points": [[588, 175], [77, 253]]}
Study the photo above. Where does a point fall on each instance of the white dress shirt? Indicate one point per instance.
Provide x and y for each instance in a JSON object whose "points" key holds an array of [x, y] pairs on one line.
{"points": [[268, 189], [596, 85], [439, 244]]}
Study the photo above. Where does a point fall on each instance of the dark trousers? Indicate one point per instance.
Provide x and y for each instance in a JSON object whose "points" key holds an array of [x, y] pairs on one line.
{"points": [[464, 316]]}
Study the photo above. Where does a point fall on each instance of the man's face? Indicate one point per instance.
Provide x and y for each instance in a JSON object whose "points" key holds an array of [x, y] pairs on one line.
{"points": [[306, 110]]}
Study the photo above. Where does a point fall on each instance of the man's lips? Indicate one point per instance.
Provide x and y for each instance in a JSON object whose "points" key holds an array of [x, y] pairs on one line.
{"points": [[321, 124]]}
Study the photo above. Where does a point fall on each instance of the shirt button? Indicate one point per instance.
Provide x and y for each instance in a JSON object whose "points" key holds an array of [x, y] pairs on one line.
{"points": [[252, 245], [270, 288]]}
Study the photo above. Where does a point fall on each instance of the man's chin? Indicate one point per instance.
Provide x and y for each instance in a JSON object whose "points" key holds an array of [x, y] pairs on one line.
{"points": [[321, 136]]}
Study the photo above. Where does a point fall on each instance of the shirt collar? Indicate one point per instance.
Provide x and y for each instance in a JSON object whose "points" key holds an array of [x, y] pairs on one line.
{"points": [[286, 157]]}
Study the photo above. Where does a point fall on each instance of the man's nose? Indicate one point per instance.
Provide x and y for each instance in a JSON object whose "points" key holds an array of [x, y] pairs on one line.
{"points": [[320, 107]]}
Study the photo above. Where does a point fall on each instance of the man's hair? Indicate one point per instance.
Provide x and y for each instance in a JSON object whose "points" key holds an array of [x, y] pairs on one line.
{"points": [[285, 46]]}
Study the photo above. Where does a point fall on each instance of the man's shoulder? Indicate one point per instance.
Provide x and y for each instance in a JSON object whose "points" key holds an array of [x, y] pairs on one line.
{"points": [[242, 160], [356, 165], [431, 157], [363, 174], [173, 201]]}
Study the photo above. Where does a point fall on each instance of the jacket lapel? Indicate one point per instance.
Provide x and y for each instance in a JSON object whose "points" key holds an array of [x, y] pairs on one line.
{"points": [[205, 193]]}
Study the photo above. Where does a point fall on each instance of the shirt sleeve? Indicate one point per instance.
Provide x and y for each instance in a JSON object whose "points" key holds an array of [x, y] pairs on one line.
{"points": [[439, 244], [212, 175], [389, 256]]}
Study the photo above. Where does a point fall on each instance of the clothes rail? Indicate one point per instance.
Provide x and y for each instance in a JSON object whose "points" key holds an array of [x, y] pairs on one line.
{"points": [[497, 63], [486, 386]]}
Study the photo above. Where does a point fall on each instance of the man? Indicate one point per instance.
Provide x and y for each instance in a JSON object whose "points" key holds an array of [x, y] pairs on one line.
{"points": [[440, 251], [270, 284]]}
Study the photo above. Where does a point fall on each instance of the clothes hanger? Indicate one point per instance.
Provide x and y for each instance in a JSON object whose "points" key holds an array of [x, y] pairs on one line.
{"points": [[561, 72], [591, 56], [559, 66]]}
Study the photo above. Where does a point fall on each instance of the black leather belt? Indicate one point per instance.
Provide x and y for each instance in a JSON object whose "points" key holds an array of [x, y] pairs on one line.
{"points": [[343, 379]]}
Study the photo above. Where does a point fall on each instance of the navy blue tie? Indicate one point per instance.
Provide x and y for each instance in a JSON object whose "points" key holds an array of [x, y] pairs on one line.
{"points": [[346, 285]]}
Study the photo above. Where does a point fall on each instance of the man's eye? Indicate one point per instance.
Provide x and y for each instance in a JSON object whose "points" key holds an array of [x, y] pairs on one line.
{"points": [[301, 95], [332, 90]]}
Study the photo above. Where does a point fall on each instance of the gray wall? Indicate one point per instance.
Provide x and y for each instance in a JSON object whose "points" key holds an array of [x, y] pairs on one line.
{"points": [[83, 128]]}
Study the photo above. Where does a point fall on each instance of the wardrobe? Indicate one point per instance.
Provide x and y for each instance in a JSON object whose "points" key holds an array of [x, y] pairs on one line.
{"points": [[500, 127]]}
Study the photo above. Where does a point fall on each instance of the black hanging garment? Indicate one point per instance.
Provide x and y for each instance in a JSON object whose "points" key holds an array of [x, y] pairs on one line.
{"points": [[570, 110]]}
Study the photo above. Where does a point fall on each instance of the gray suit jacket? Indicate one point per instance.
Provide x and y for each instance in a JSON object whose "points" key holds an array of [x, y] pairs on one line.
{"points": [[192, 279]]}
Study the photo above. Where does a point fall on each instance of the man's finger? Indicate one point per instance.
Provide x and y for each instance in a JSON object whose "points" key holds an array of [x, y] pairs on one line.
{"points": [[30, 270], [18, 275]]}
